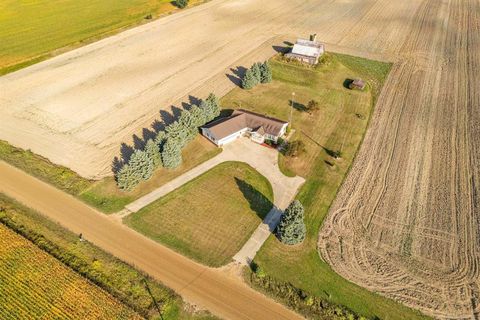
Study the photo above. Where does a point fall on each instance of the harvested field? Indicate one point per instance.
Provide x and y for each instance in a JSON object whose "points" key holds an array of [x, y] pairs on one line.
{"points": [[34, 284], [405, 223]]}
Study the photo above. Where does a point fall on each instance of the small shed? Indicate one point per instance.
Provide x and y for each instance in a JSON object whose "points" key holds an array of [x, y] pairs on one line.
{"points": [[357, 84]]}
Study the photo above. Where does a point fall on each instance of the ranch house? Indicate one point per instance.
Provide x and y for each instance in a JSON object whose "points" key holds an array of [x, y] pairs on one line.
{"points": [[244, 123], [307, 51]]}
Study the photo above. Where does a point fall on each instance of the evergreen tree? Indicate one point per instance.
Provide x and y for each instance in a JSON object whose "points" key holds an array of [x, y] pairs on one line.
{"points": [[176, 131], [214, 104], [141, 163], [257, 73], [249, 80], [266, 73], [127, 178], [186, 120], [198, 116], [153, 151], [291, 229], [181, 3], [171, 154], [160, 139]]}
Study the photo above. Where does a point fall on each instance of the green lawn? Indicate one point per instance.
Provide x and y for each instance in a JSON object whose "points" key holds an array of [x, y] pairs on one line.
{"points": [[34, 30], [116, 277], [211, 217], [103, 194], [339, 124]]}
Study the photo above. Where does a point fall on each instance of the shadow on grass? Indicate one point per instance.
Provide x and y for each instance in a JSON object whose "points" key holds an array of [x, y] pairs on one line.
{"points": [[298, 106], [258, 202], [347, 83]]}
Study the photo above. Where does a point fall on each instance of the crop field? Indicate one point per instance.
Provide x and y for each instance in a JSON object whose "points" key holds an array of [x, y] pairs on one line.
{"points": [[30, 29], [210, 217], [33, 284]]}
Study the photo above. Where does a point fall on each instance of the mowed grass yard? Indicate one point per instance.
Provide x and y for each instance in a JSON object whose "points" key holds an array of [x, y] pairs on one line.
{"points": [[338, 125], [211, 217], [103, 194], [34, 30], [34, 284]]}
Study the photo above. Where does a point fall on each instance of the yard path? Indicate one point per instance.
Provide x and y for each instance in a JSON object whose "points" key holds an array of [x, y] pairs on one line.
{"points": [[221, 293], [265, 161]]}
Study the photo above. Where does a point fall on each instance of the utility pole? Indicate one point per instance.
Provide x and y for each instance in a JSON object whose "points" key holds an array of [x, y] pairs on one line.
{"points": [[291, 110]]}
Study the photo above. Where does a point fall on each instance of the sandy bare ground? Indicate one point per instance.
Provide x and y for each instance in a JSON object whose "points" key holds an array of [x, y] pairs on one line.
{"points": [[405, 223]]}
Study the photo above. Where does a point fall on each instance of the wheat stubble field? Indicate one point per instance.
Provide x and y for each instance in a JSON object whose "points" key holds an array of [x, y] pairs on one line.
{"points": [[405, 223]]}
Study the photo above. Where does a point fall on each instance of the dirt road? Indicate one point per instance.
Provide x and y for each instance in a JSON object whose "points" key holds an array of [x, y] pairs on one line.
{"points": [[222, 294]]}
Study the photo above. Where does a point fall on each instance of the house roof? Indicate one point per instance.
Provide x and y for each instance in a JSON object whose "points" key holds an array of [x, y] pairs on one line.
{"points": [[307, 48], [241, 119]]}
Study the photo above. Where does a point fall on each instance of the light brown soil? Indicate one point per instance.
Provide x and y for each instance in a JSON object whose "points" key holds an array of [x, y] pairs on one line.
{"points": [[77, 108], [405, 222]]}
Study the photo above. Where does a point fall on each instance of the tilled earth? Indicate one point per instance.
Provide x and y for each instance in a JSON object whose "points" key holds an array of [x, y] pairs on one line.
{"points": [[405, 223]]}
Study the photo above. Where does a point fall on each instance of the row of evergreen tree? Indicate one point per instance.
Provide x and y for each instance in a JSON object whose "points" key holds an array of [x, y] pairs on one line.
{"points": [[166, 148], [258, 73]]}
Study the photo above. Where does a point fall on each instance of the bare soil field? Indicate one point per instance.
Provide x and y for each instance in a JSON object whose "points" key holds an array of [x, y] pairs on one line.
{"points": [[75, 109], [405, 223]]}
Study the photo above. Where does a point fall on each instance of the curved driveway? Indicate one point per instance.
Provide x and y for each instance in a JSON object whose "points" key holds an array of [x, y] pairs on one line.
{"points": [[223, 295]]}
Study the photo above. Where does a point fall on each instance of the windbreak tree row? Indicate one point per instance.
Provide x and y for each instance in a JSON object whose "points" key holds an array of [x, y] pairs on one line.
{"points": [[165, 150]]}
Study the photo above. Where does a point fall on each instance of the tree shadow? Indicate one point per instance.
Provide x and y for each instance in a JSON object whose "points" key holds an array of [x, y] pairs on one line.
{"points": [[126, 152], [225, 113], [298, 106], [157, 126], [257, 201], [288, 43], [237, 75], [347, 83], [167, 117], [117, 165], [281, 49]]}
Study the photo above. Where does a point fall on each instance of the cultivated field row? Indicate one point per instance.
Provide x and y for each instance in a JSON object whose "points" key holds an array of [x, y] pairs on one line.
{"points": [[405, 223]]}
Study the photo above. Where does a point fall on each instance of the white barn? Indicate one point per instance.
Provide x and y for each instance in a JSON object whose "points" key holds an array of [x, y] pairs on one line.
{"points": [[307, 51]]}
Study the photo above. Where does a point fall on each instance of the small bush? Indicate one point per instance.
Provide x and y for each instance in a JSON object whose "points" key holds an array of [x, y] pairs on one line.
{"points": [[181, 3], [294, 149]]}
